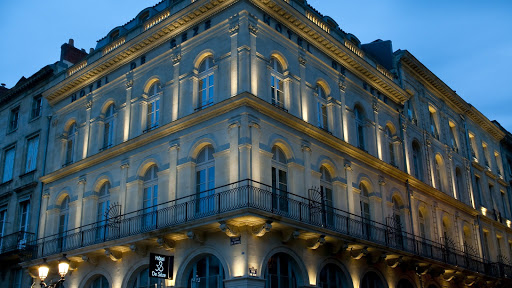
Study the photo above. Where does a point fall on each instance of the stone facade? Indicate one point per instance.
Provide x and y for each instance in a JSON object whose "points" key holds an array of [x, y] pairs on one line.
{"points": [[202, 121]]}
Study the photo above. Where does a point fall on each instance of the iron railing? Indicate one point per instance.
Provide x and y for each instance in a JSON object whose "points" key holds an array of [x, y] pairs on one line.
{"points": [[20, 240], [259, 197]]}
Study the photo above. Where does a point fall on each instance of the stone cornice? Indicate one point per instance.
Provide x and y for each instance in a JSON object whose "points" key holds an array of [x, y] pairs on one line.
{"points": [[332, 47], [157, 35], [448, 95], [251, 101]]}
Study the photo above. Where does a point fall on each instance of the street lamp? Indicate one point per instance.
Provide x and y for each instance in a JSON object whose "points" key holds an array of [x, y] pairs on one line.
{"points": [[63, 270]]}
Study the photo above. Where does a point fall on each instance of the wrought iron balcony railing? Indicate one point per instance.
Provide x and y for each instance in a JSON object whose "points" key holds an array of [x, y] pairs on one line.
{"points": [[20, 240], [258, 198]]}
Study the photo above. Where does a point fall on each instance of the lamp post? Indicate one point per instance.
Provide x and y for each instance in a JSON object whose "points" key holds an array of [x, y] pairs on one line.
{"points": [[63, 270]]}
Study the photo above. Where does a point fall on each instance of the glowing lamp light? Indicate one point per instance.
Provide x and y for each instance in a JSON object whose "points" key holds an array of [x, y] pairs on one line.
{"points": [[43, 271], [63, 266]]}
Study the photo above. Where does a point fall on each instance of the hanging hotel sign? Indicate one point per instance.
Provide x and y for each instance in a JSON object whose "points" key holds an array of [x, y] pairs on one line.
{"points": [[161, 266]]}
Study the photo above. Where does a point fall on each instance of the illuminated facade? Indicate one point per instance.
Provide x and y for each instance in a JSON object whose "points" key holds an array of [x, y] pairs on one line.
{"points": [[337, 164]]}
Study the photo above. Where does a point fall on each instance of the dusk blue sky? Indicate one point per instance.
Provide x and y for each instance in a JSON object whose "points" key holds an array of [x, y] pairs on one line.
{"points": [[466, 43]]}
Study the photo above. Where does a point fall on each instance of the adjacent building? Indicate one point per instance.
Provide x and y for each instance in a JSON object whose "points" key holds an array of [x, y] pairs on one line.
{"points": [[260, 145]]}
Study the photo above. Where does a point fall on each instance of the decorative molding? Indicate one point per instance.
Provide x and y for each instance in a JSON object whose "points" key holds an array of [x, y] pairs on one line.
{"points": [[196, 236], [234, 29], [166, 244], [359, 253], [302, 60], [129, 84], [313, 245], [176, 58], [230, 231], [113, 255], [289, 235], [253, 29], [259, 231]]}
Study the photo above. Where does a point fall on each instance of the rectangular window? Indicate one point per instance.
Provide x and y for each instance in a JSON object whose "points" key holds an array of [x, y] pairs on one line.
{"points": [[36, 107], [472, 146], [433, 126], [322, 116], [32, 149], [206, 85], [276, 86], [153, 114], [14, 118], [8, 164], [24, 209], [3, 215], [17, 276]]}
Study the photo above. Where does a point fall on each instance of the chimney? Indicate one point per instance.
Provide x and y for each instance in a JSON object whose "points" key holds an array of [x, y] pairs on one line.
{"points": [[71, 55]]}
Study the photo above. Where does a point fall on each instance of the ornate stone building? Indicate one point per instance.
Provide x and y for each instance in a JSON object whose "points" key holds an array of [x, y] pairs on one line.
{"points": [[262, 146]]}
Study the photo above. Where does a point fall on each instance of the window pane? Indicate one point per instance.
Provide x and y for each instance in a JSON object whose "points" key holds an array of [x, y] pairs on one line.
{"points": [[8, 165], [32, 147]]}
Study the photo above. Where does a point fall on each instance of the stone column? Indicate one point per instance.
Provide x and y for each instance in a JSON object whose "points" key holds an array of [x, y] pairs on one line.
{"points": [[234, 27], [253, 30], [306, 109], [176, 86], [306, 149], [85, 151], [122, 189], [128, 110], [79, 202], [233, 132], [451, 175], [378, 138], [255, 151], [245, 149], [430, 162], [352, 194], [332, 109], [343, 110], [383, 200], [435, 222], [405, 148], [42, 216], [173, 170]]}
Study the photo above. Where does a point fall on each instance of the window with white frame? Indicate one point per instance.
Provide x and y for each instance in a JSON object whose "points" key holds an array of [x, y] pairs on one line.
{"points": [[277, 83], [205, 180], [14, 118], [365, 201], [206, 82], [153, 107], [279, 179], [433, 122], [360, 131], [103, 206], [37, 103], [487, 159], [150, 197], [454, 139], [70, 144], [23, 216], [322, 107], [8, 168], [3, 219], [63, 222], [108, 129], [472, 146], [390, 135], [32, 150], [326, 192]]}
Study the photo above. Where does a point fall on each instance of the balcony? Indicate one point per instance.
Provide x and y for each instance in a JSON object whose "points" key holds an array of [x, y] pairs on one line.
{"points": [[249, 197], [16, 243]]}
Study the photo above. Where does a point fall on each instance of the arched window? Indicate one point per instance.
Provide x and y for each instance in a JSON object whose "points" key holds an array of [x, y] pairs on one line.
{"points": [[279, 179], [322, 107], [108, 131], [206, 83], [103, 205], [99, 282], [371, 280], [360, 122], [439, 173], [153, 107], [390, 135], [207, 272], [150, 197], [364, 203], [404, 283], [63, 221], [331, 276], [142, 280], [276, 83], [70, 144], [205, 180], [281, 272], [326, 193], [417, 160]]}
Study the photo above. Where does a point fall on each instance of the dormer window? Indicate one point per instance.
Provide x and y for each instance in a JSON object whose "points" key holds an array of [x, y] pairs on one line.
{"points": [[144, 17], [114, 35]]}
